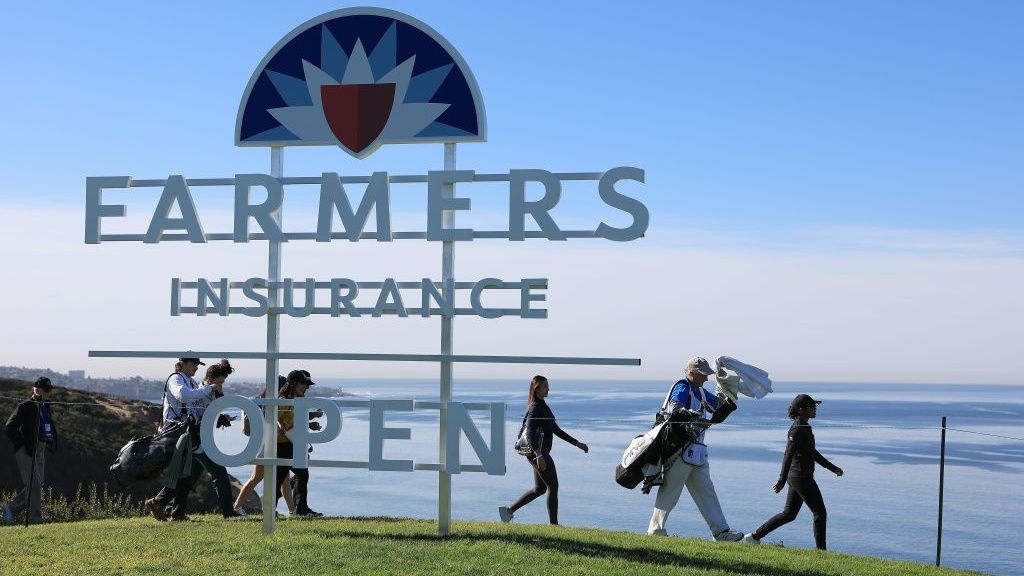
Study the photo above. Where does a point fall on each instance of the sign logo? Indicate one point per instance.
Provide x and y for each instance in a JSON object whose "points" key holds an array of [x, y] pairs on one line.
{"points": [[359, 78]]}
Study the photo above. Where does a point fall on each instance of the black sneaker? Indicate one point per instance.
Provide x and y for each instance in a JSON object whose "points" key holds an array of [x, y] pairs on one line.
{"points": [[309, 514]]}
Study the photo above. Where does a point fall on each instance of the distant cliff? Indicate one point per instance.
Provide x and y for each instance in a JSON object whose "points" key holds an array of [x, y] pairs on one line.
{"points": [[90, 432], [135, 386]]}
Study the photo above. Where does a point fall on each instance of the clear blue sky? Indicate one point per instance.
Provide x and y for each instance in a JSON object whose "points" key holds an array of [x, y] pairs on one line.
{"points": [[784, 114], [877, 129]]}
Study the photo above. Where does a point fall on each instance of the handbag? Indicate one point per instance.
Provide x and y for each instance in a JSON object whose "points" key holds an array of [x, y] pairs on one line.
{"points": [[522, 444]]}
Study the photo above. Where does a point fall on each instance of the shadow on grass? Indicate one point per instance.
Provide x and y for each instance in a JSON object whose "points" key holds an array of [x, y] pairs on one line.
{"points": [[639, 555], [386, 520]]}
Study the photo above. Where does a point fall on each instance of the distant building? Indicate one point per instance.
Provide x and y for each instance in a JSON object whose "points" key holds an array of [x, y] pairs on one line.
{"points": [[76, 374]]}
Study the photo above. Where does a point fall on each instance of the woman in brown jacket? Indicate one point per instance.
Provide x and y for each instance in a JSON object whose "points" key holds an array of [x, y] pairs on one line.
{"points": [[297, 383]]}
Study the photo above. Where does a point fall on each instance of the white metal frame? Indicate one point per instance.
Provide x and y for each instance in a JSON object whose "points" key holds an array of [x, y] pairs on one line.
{"points": [[446, 358]]}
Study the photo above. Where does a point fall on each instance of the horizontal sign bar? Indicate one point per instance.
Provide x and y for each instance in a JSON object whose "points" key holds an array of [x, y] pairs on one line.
{"points": [[357, 464], [228, 236], [366, 311], [510, 285], [392, 178], [463, 358], [349, 403]]}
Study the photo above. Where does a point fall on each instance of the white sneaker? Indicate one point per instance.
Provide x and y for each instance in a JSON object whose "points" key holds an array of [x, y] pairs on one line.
{"points": [[658, 532], [505, 514], [728, 536], [749, 539]]}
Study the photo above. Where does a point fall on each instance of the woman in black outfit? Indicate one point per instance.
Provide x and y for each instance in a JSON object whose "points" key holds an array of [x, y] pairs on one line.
{"points": [[540, 423], [798, 471]]}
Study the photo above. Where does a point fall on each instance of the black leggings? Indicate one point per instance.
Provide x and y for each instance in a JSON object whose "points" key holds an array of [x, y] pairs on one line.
{"points": [[286, 450], [800, 490], [546, 481]]}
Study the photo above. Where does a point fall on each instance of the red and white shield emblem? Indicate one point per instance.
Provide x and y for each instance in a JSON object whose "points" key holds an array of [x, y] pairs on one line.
{"points": [[357, 113]]}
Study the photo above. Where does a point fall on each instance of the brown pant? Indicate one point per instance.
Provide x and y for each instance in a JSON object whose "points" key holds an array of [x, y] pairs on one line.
{"points": [[22, 499]]}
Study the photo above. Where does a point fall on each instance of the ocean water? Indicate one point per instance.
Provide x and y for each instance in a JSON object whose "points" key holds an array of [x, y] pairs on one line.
{"points": [[885, 437]]}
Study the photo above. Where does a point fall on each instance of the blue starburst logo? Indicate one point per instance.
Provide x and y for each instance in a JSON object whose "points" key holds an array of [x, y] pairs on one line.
{"points": [[359, 78]]}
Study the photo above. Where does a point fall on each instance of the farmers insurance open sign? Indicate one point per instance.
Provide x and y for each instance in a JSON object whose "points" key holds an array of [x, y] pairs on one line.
{"points": [[359, 78]]}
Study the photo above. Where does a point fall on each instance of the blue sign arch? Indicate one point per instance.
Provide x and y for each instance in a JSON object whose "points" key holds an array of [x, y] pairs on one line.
{"points": [[359, 78]]}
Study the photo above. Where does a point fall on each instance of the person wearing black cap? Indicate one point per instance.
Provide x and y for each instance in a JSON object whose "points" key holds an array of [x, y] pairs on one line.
{"points": [[798, 471], [216, 374], [31, 430], [296, 384], [182, 399]]}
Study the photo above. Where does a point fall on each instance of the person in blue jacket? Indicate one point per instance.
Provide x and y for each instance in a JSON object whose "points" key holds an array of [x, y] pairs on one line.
{"points": [[541, 426], [690, 467], [798, 472]]}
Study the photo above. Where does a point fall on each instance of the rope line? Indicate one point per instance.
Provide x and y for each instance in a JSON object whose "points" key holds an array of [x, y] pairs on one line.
{"points": [[54, 403], [984, 434], [508, 412]]}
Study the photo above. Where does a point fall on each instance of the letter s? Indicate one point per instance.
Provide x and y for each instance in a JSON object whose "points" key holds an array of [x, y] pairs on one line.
{"points": [[631, 206]]}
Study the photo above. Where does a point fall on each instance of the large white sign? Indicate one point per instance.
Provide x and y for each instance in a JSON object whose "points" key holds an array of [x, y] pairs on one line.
{"points": [[359, 78]]}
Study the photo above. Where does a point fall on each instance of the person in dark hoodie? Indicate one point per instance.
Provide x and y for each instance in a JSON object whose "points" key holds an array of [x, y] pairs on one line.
{"points": [[31, 430], [798, 472], [540, 423]]}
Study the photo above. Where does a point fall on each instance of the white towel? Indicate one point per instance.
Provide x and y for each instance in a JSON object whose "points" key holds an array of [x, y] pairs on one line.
{"points": [[754, 382], [728, 384]]}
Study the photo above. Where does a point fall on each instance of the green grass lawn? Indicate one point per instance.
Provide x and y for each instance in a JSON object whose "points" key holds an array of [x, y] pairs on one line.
{"points": [[209, 545]]}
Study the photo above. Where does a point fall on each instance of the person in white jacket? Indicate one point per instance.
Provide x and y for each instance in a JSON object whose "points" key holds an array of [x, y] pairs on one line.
{"points": [[181, 392]]}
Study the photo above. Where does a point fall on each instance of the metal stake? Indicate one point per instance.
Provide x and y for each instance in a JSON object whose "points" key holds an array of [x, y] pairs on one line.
{"points": [[942, 473]]}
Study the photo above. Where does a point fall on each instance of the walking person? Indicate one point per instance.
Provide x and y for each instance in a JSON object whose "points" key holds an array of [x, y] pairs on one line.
{"points": [[541, 426], [798, 472], [296, 384], [690, 467], [216, 374], [31, 430], [249, 488], [181, 392]]}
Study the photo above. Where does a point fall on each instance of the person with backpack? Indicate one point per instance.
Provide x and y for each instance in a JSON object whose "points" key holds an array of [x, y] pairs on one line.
{"points": [[690, 467], [181, 394], [798, 471], [31, 431], [216, 374], [540, 427]]}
